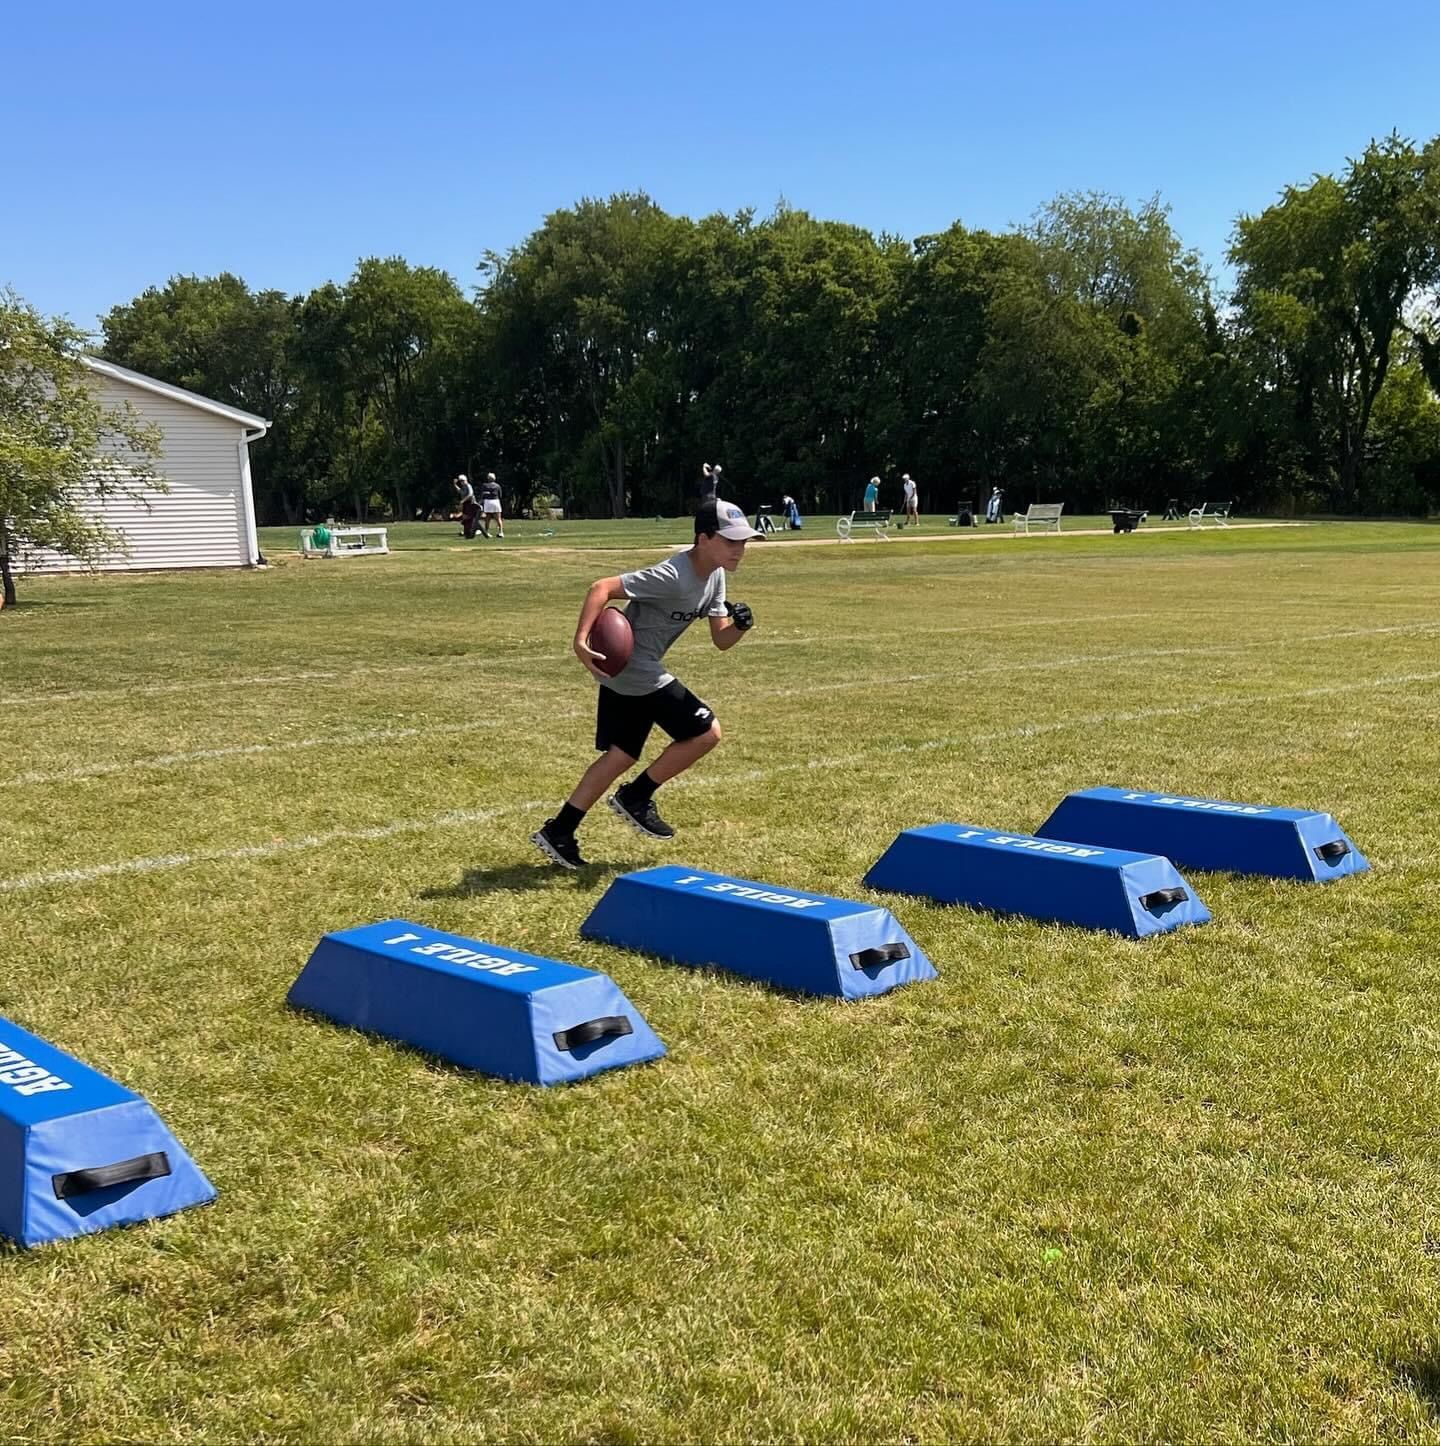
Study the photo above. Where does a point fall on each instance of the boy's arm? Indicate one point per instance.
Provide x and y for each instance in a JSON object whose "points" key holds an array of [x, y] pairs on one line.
{"points": [[603, 590], [727, 631]]}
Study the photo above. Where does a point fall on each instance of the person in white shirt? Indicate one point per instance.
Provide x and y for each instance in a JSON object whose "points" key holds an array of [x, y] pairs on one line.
{"points": [[469, 507], [912, 500]]}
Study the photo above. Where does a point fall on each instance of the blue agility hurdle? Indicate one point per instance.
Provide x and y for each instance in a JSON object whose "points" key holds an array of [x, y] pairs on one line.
{"points": [[1208, 833], [806, 942], [78, 1152], [1097, 888], [504, 1013]]}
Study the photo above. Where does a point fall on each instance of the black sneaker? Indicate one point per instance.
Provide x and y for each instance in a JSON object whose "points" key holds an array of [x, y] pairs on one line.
{"points": [[642, 816], [559, 848]]}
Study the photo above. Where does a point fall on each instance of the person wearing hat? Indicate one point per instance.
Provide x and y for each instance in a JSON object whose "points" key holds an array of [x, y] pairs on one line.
{"points": [[490, 505], [469, 507], [872, 494], [912, 499], [663, 601]]}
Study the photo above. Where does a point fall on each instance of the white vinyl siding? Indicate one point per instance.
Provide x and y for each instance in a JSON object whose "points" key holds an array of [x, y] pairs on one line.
{"points": [[202, 521]]}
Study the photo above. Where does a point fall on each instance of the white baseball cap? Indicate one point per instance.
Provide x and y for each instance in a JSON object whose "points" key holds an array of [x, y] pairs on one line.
{"points": [[726, 519]]}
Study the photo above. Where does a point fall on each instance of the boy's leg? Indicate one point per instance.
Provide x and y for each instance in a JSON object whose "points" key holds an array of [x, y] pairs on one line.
{"points": [[677, 757], [621, 727], [610, 765], [695, 731], [555, 838]]}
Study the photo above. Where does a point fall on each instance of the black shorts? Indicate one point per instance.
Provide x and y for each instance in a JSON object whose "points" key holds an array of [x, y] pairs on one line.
{"points": [[624, 722]]}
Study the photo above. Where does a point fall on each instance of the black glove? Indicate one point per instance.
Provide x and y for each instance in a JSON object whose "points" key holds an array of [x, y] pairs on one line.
{"points": [[743, 618]]}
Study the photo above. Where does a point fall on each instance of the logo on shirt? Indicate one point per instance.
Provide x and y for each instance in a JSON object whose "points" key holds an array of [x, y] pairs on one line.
{"points": [[685, 617]]}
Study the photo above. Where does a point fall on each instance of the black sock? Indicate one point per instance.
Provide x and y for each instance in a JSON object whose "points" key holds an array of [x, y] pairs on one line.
{"points": [[641, 789], [569, 818]]}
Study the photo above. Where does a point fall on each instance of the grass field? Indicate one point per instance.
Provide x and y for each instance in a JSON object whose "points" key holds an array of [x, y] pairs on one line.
{"points": [[1078, 1188]]}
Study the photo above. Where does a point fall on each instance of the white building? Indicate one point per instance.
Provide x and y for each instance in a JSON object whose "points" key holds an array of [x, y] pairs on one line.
{"points": [[207, 518]]}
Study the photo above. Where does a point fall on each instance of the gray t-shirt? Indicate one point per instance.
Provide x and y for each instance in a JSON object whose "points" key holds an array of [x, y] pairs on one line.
{"points": [[664, 601]]}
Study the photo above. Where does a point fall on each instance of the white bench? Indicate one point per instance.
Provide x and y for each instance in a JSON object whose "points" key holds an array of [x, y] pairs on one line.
{"points": [[1039, 514], [878, 521], [1219, 514], [346, 542]]}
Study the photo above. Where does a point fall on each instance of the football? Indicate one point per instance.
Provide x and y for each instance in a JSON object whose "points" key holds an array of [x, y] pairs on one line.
{"points": [[612, 636]]}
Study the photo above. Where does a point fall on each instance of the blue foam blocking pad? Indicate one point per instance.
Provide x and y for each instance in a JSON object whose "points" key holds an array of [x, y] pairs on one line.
{"points": [[1096, 888], [794, 940], [487, 1008], [78, 1152], [1209, 833]]}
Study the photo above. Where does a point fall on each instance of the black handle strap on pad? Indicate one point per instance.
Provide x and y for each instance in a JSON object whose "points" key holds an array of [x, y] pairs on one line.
{"points": [[1337, 848], [882, 954], [611, 1025], [101, 1177], [1162, 899]]}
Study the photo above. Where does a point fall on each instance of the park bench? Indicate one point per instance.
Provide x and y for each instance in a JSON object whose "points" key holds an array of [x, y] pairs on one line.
{"points": [[877, 521], [1218, 513], [345, 542], [1041, 514]]}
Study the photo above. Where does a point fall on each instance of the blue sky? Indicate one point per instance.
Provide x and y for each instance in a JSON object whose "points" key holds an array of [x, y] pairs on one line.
{"points": [[283, 142]]}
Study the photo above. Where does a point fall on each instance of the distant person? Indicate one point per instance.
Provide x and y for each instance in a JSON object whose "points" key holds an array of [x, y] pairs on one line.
{"points": [[490, 505], [709, 481], [469, 506], [995, 507], [912, 500], [791, 509], [872, 494]]}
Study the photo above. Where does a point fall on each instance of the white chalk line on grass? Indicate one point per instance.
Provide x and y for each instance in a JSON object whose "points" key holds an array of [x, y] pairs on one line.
{"points": [[435, 665], [247, 750], [1129, 655], [457, 818], [488, 660], [740, 697], [161, 863], [1022, 731]]}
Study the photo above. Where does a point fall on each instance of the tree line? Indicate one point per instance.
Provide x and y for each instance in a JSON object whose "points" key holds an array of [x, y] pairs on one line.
{"points": [[1086, 357]]}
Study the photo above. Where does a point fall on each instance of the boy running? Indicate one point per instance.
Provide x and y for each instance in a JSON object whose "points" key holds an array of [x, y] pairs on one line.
{"points": [[664, 601]]}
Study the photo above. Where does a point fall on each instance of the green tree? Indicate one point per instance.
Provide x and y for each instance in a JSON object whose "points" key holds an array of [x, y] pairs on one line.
{"points": [[1325, 278], [61, 447], [402, 335], [580, 322], [214, 336], [1094, 334]]}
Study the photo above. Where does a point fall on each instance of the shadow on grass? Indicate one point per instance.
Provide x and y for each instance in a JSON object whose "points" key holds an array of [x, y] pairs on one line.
{"points": [[1421, 1375], [760, 986], [521, 876]]}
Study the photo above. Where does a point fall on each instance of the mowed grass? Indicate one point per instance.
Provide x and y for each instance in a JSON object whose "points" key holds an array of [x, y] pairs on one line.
{"points": [[1078, 1188]]}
